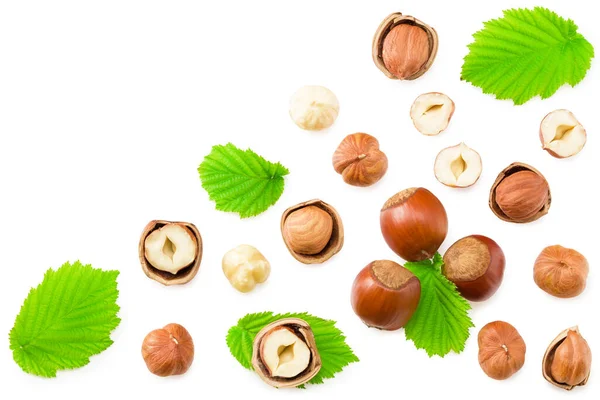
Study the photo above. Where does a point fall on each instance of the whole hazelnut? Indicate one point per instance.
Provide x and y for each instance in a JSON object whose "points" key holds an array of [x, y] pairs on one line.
{"points": [[314, 108], [403, 47], [520, 194], [359, 160], [501, 350], [312, 231], [475, 264], [561, 272], [168, 351], [568, 360], [385, 295], [414, 224], [245, 267], [284, 353]]}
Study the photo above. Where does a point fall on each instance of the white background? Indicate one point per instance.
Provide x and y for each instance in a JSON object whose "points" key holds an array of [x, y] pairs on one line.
{"points": [[107, 108]]}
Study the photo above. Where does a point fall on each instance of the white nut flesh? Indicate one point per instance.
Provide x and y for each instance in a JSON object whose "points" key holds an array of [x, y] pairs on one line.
{"points": [[245, 267], [284, 353], [458, 166], [561, 134], [431, 113], [314, 108], [170, 248]]}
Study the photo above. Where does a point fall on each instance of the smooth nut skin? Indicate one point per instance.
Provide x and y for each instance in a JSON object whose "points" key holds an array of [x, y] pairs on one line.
{"points": [[414, 224], [561, 272], [385, 295], [359, 160], [475, 264], [314, 108], [168, 351], [567, 362], [245, 267], [501, 350], [308, 230]]}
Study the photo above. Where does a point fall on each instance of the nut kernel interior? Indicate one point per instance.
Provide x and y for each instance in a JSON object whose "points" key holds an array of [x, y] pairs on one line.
{"points": [[458, 166], [170, 248], [431, 113], [561, 134], [284, 354]]}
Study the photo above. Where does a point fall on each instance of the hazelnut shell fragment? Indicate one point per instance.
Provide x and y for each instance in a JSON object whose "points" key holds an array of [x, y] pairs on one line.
{"points": [[304, 234], [184, 275], [567, 361], [168, 351], [520, 194], [404, 53], [303, 331], [359, 160]]}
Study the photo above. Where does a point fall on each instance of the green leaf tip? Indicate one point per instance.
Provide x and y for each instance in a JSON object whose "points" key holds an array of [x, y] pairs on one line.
{"points": [[527, 53], [65, 320], [241, 181]]}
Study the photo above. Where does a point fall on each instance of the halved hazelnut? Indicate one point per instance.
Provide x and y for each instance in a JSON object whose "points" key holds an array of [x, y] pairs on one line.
{"points": [[312, 231], [170, 252], [285, 354], [404, 47], [458, 166], [520, 194], [561, 134], [431, 113]]}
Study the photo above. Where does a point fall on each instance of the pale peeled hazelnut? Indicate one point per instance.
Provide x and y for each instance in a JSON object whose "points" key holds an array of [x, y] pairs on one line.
{"points": [[314, 108], [245, 267], [561, 272], [431, 113], [568, 360], [458, 166], [284, 353], [359, 160], [403, 47], [501, 350], [561, 134], [168, 351]]}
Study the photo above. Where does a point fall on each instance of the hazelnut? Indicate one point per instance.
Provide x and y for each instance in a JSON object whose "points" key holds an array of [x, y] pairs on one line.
{"points": [[245, 267], [568, 360], [284, 353], [168, 351], [385, 295], [520, 194], [414, 224], [475, 264], [314, 108], [312, 231], [170, 252], [458, 166], [561, 134], [403, 47], [501, 350], [561, 272], [359, 160], [431, 113]]}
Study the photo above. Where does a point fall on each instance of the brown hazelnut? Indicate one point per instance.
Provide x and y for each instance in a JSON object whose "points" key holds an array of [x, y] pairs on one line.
{"points": [[403, 47], [385, 295], [284, 353], [501, 350], [414, 224], [312, 231], [170, 252], [520, 194], [359, 160], [168, 351], [568, 360], [561, 272], [475, 264]]}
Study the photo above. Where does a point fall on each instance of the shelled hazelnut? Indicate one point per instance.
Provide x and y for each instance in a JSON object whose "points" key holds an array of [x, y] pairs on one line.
{"points": [[458, 166], [359, 160], [245, 267], [312, 231], [170, 252], [314, 108], [501, 350], [561, 134], [168, 351], [404, 47], [561, 272], [431, 113], [568, 360], [284, 353]]}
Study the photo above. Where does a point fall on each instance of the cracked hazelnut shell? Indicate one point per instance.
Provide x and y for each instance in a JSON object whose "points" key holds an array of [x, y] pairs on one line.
{"points": [[520, 194], [501, 350], [567, 362], [295, 336], [359, 160], [561, 272], [312, 231], [183, 275], [168, 351], [404, 47]]}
